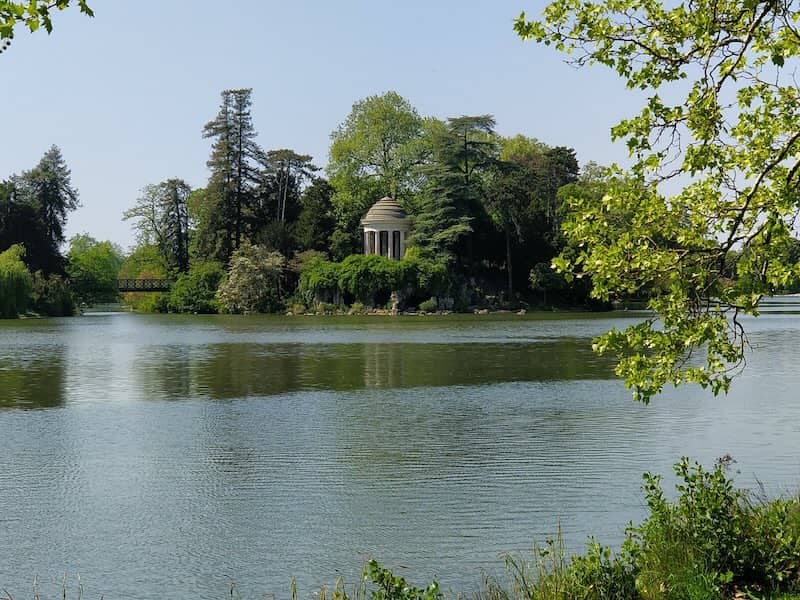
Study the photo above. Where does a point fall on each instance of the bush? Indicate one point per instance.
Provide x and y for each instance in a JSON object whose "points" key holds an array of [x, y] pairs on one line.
{"points": [[357, 308], [319, 279], [195, 291], [16, 283], [712, 542], [149, 302], [363, 277], [254, 281], [429, 305], [378, 583]]}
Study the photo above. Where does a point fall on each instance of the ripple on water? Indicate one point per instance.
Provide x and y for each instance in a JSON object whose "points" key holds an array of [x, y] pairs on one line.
{"points": [[168, 456]]}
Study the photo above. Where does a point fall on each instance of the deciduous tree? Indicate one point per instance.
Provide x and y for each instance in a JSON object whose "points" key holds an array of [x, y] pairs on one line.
{"points": [[722, 125], [33, 14], [162, 219]]}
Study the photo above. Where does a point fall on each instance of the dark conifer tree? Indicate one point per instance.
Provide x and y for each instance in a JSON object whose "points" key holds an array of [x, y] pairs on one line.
{"points": [[316, 221], [235, 162], [176, 223], [41, 199]]}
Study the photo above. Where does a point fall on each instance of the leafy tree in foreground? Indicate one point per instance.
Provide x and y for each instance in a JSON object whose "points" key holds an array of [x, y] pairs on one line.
{"points": [[34, 14], [723, 119]]}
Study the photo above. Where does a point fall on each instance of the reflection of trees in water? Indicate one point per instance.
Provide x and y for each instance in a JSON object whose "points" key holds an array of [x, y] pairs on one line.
{"points": [[226, 371], [166, 372], [33, 383]]}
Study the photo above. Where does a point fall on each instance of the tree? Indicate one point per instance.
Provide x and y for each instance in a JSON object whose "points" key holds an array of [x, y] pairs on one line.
{"points": [[19, 224], [93, 268], [162, 219], [722, 118], [451, 214], [441, 223], [254, 281], [472, 145], [507, 199], [34, 14], [289, 170], [195, 291], [176, 220], [47, 188], [374, 153], [235, 162], [316, 221], [380, 140], [16, 283]]}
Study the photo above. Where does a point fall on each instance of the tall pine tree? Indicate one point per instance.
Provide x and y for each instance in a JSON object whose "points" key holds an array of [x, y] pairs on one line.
{"points": [[47, 190], [234, 163]]}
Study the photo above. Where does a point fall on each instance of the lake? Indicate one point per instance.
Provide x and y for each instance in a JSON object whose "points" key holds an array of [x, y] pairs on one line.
{"points": [[166, 456]]}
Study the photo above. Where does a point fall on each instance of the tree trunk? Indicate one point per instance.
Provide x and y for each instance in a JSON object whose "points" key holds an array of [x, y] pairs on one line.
{"points": [[508, 265]]}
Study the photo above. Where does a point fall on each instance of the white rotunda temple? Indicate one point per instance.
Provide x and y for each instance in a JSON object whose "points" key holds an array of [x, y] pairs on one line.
{"points": [[386, 226]]}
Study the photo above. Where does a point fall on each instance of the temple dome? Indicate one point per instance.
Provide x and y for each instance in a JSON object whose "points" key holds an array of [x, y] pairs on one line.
{"points": [[385, 209]]}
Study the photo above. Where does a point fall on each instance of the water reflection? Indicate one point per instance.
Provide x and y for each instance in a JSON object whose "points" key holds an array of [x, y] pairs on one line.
{"points": [[435, 444], [31, 379], [226, 371]]}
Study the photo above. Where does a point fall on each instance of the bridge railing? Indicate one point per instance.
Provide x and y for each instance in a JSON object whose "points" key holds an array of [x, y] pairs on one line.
{"points": [[144, 285]]}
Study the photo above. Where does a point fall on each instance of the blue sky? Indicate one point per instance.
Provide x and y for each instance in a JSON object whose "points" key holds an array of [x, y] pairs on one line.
{"points": [[126, 94]]}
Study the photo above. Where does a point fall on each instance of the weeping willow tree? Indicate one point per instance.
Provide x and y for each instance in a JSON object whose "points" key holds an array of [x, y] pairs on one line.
{"points": [[721, 124], [16, 283]]}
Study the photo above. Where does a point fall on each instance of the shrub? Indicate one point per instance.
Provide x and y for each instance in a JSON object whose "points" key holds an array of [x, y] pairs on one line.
{"points": [[150, 302], [254, 281], [357, 308], [395, 587], [319, 279], [712, 542], [429, 305], [195, 291], [361, 276]]}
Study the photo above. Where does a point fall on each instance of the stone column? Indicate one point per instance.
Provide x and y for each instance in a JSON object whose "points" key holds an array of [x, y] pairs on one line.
{"points": [[391, 245]]}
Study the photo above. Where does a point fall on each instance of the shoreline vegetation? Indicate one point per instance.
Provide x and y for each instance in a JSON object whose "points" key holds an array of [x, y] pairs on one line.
{"points": [[270, 230], [712, 541]]}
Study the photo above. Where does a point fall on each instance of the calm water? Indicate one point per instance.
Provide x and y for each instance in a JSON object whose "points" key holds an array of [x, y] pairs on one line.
{"points": [[164, 456]]}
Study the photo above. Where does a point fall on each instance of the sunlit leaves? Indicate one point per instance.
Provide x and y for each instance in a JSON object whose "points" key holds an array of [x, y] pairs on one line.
{"points": [[723, 121], [34, 14]]}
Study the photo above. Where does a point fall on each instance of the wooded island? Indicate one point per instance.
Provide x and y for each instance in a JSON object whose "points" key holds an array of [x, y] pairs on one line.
{"points": [[270, 232]]}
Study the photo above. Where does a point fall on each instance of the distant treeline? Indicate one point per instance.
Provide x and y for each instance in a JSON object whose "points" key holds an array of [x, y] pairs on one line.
{"points": [[270, 231]]}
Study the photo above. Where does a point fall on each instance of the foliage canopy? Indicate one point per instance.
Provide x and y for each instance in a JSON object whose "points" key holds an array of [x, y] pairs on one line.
{"points": [[721, 124], [34, 14]]}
